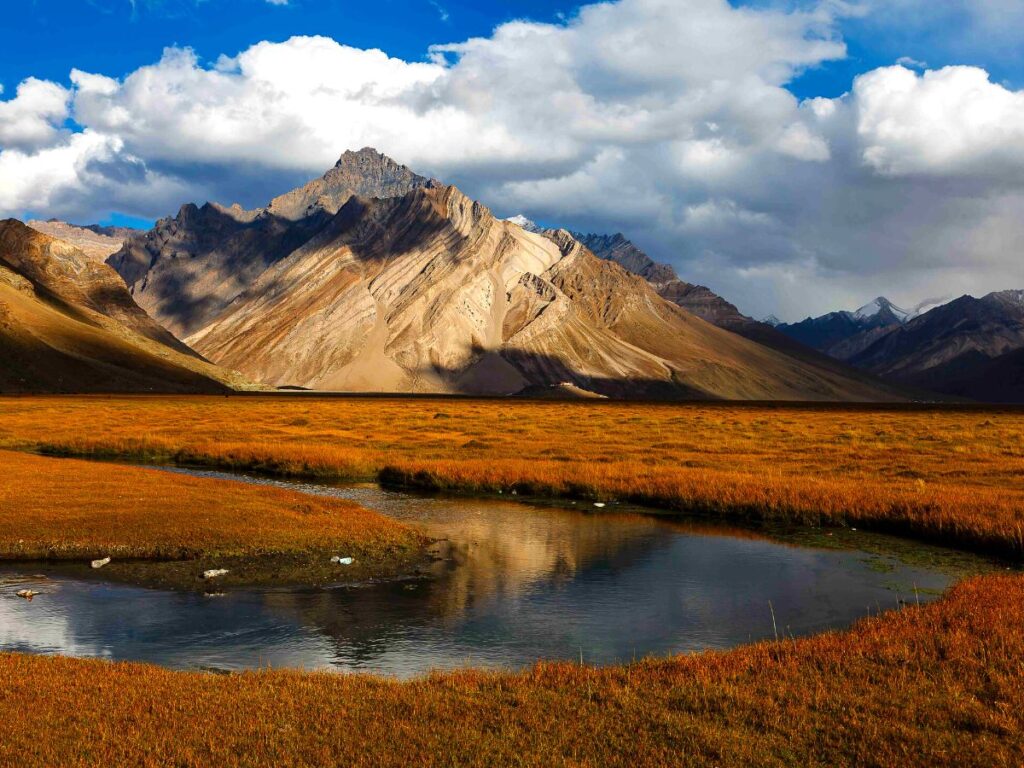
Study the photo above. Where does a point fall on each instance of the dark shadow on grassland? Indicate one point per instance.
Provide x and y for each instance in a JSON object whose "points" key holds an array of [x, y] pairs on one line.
{"points": [[529, 374]]}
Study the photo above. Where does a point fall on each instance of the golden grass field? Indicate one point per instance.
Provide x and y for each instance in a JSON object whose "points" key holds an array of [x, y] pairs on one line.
{"points": [[925, 686], [932, 686], [60, 509], [953, 476]]}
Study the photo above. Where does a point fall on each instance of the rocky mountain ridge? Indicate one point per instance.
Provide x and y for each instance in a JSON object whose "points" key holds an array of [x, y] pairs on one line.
{"points": [[417, 288]]}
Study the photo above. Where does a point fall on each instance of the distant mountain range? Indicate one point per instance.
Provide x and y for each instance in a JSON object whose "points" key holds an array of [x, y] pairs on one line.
{"points": [[968, 347], [68, 324], [375, 278]]}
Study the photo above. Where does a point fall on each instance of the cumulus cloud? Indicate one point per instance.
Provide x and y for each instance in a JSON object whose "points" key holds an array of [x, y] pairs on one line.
{"points": [[953, 121], [33, 118], [668, 119]]}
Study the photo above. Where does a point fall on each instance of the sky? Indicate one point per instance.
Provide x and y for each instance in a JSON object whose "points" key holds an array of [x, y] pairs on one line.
{"points": [[797, 156]]}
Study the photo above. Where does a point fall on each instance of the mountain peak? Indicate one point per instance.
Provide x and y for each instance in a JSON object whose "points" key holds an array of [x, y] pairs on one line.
{"points": [[365, 173], [881, 308], [367, 156]]}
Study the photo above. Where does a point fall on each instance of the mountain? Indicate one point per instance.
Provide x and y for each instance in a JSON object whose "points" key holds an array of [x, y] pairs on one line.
{"points": [[96, 242], [968, 347], [525, 223], [417, 288], [68, 324]]}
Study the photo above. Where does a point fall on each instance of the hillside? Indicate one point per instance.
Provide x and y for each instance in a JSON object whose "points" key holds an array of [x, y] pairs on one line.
{"points": [[68, 324]]}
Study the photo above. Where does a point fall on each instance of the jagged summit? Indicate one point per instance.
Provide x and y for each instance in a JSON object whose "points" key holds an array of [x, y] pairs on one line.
{"points": [[624, 253], [366, 173]]}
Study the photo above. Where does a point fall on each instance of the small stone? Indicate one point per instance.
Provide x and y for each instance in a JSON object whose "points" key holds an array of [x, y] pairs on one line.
{"points": [[600, 505], [342, 560], [97, 564], [215, 573]]}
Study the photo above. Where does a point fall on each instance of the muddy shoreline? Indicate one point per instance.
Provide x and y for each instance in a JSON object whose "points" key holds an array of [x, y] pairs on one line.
{"points": [[308, 569]]}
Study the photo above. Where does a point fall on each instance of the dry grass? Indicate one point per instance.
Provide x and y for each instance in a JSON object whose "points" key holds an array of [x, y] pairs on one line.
{"points": [[950, 476], [57, 509], [933, 686]]}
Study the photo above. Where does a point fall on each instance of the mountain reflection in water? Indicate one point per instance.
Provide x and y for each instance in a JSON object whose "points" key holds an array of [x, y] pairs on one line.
{"points": [[517, 583]]}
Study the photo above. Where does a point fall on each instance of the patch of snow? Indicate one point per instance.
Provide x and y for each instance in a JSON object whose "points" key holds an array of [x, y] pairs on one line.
{"points": [[521, 221]]}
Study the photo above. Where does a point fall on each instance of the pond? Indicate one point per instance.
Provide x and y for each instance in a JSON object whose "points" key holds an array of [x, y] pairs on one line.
{"points": [[518, 582]]}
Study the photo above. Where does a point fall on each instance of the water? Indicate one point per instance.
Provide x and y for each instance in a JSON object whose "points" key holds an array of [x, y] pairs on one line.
{"points": [[519, 583]]}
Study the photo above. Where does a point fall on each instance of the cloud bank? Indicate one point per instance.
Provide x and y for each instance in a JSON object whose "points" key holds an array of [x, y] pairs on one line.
{"points": [[667, 119]]}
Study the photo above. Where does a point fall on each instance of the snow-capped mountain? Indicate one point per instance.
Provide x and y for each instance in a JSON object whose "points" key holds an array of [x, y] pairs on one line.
{"points": [[881, 308], [885, 309]]}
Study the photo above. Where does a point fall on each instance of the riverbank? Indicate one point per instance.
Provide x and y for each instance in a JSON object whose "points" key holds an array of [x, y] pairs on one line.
{"points": [[953, 476], [930, 686], [168, 530]]}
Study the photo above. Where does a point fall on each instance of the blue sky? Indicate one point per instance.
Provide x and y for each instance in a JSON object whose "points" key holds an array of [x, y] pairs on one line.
{"points": [[117, 36], [769, 148], [113, 37]]}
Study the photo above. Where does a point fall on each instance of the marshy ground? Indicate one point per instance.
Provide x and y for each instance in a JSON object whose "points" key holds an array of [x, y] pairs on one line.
{"points": [[929, 685]]}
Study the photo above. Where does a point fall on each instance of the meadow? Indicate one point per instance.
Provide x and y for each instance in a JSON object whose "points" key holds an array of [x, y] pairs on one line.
{"points": [[953, 476], [937, 685], [931, 686], [65, 510]]}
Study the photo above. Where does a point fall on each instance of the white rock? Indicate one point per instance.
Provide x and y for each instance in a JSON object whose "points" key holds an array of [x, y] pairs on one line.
{"points": [[600, 505], [215, 573], [342, 560], [100, 563]]}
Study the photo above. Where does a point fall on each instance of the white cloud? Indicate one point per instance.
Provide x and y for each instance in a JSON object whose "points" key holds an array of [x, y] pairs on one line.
{"points": [[667, 119], [34, 116], [950, 121]]}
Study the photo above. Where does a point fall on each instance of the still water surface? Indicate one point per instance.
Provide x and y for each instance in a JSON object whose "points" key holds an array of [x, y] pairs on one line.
{"points": [[520, 582]]}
